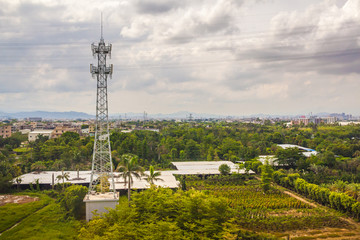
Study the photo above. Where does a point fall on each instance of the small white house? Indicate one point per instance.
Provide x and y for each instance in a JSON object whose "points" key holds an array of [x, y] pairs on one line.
{"points": [[37, 132]]}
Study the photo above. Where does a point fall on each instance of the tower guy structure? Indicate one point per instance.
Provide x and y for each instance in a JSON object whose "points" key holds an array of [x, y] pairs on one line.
{"points": [[102, 168]]}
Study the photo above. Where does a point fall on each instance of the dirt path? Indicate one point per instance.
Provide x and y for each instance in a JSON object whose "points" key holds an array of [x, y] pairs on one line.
{"points": [[332, 233], [301, 199], [19, 199]]}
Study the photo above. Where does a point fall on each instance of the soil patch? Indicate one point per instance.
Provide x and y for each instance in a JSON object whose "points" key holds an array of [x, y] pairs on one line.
{"points": [[18, 199]]}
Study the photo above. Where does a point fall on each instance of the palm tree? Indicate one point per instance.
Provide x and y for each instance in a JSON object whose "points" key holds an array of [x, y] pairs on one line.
{"points": [[63, 176], [129, 167], [153, 176], [18, 181]]}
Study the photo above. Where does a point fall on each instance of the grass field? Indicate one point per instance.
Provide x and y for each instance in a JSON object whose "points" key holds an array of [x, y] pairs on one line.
{"points": [[12, 213], [47, 223]]}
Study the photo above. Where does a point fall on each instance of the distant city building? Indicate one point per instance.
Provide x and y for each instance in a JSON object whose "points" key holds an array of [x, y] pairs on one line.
{"points": [[85, 131], [348, 123], [59, 130], [25, 131], [37, 125], [36, 133], [330, 120], [35, 119], [306, 121], [342, 116], [5, 131], [92, 130]]}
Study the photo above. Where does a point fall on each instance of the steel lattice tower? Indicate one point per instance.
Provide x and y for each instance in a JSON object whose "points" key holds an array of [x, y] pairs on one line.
{"points": [[102, 167]]}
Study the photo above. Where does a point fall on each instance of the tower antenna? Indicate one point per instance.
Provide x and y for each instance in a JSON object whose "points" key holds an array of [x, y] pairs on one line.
{"points": [[102, 167], [102, 26]]}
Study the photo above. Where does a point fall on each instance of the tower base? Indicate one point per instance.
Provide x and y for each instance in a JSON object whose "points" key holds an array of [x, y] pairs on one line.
{"points": [[99, 202]]}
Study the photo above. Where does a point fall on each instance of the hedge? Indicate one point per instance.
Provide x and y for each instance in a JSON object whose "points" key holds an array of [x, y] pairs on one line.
{"points": [[322, 195]]}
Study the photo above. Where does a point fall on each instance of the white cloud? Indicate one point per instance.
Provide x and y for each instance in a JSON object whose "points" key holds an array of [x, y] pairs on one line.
{"points": [[183, 55]]}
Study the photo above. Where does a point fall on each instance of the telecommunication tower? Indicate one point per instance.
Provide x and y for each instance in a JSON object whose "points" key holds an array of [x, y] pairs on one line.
{"points": [[102, 167]]}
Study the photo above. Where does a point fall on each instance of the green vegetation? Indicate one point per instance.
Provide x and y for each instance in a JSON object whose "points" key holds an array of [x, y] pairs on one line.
{"points": [[160, 213], [12, 213], [47, 223], [129, 167], [266, 176], [337, 200], [153, 176], [257, 211], [72, 201], [339, 148], [224, 169], [43, 219], [331, 178]]}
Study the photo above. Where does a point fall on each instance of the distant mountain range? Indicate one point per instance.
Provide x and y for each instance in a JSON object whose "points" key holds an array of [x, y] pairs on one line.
{"points": [[47, 115], [176, 115], [130, 115]]}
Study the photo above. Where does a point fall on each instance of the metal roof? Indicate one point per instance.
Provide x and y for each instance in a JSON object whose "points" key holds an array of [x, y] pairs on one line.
{"points": [[45, 177], [308, 151], [204, 167], [168, 179]]}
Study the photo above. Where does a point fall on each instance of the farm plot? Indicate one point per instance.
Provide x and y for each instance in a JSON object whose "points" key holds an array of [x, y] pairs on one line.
{"points": [[273, 211]]}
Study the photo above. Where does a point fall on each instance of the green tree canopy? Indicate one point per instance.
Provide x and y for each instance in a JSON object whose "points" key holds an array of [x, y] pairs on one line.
{"points": [[289, 157], [224, 169]]}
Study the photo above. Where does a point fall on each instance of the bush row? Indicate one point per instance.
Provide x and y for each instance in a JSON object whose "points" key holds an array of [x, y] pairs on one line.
{"points": [[336, 200]]}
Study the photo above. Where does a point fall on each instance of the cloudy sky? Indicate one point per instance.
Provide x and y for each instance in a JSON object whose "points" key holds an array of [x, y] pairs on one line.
{"points": [[230, 57]]}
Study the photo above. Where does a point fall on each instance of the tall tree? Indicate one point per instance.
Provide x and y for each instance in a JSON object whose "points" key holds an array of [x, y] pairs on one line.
{"points": [[266, 176], [289, 157], [129, 167]]}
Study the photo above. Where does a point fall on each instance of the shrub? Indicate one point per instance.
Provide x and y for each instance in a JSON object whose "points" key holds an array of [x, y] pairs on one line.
{"points": [[224, 169], [72, 200]]}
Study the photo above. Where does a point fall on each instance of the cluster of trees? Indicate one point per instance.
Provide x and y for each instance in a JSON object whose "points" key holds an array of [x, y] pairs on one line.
{"points": [[8, 168], [337, 200]]}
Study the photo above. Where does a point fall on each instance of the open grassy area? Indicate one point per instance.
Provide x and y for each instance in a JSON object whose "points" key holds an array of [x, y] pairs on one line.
{"points": [[46, 223], [12, 213]]}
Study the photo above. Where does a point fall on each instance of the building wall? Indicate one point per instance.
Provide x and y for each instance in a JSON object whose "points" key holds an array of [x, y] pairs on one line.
{"points": [[34, 135], [100, 205], [5, 131]]}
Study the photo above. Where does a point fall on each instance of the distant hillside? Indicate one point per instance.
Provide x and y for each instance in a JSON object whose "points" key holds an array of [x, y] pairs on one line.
{"points": [[176, 115], [47, 115]]}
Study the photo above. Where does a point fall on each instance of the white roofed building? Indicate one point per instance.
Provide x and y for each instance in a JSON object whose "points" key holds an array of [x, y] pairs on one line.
{"points": [[35, 134], [48, 178]]}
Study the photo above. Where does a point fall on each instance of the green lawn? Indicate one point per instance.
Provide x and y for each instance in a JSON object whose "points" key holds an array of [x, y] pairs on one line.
{"points": [[10, 214], [46, 223]]}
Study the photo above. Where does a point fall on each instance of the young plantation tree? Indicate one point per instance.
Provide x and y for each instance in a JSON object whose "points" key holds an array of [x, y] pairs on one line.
{"points": [[266, 176]]}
